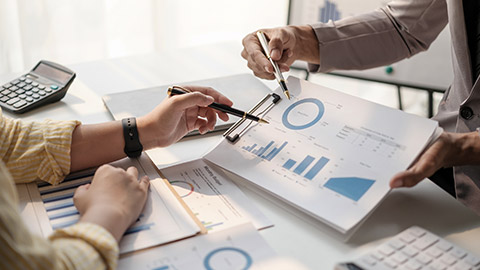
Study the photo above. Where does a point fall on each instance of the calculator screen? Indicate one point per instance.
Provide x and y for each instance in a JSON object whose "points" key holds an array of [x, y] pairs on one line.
{"points": [[52, 73]]}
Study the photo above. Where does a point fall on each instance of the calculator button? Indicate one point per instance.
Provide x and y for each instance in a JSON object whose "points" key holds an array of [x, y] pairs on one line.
{"points": [[35, 84], [413, 265], [6, 92], [22, 84], [29, 99], [41, 87], [399, 257], [28, 81], [13, 100], [20, 91], [8, 85], [369, 260], [396, 244], [438, 266], [386, 250], [29, 93], [48, 90], [35, 96], [418, 232], [22, 79], [4, 99], [42, 93], [20, 104], [35, 90], [377, 255], [16, 82], [22, 96], [54, 87], [462, 266], [28, 87], [12, 95], [13, 88]]}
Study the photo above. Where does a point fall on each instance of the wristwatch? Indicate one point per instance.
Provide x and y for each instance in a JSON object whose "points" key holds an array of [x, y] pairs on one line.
{"points": [[133, 147]]}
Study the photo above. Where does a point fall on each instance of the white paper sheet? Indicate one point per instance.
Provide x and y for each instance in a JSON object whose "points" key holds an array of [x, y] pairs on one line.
{"points": [[163, 218], [239, 247], [328, 153], [218, 203]]}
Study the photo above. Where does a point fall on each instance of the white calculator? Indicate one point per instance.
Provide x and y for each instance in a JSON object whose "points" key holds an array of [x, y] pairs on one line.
{"points": [[415, 249]]}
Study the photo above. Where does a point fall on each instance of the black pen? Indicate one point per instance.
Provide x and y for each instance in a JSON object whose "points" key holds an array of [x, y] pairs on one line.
{"points": [[178, 90]]}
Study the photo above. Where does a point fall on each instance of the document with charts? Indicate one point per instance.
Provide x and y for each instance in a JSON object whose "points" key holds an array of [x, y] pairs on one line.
{"points": [[327, 153]]}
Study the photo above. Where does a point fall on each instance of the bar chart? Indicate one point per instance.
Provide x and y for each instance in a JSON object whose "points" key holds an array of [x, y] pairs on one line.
{"points": [[262, 151], [304, 164]]}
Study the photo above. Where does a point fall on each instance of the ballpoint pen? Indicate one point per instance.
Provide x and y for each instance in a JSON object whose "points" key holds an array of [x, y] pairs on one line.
{"points": [[276, 71], [178, 90]]}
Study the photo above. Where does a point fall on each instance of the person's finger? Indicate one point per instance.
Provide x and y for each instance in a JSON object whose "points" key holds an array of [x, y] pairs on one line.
{"points": [[144, 183], [209, 91], [260, 59], [202, 111], [132, 171], [283, 67], [276, 46], [211, 119], [253, 48], [80, 192], [222, 115], [201, 125], [182, 102]]}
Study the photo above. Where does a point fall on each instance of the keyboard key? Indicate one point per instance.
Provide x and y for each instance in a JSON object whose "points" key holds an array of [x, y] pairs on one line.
{"points": [[36, 96], [22, 79], [42, 93], [16, 82], [6, 92], [4, 99], [386, 250], [29, 93], [437, 265], [12, 101], [434, 252], [20, 104], [472, 260], [48, 90], [22, 84], [458, 253], [28, 81], [399, 258], [426, 241], [424, 259], [396, 244], [409, 251], [35, 84], [444, 245], [13, 88], [448, 259], [22, 96], [41, 87], [35, 90], [28, 87], [12, 95], [390, 263], [20, 91], [54, 87], [29, 99], [413, 265]]}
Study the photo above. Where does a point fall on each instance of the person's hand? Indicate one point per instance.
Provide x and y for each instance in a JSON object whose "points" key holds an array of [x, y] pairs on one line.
{"points": [[113, 200], [286, 44], [180, 114], [450, 149]]}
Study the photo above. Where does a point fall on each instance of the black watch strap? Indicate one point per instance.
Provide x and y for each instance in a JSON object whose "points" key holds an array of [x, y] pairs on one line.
{"points": [[133, 147]]}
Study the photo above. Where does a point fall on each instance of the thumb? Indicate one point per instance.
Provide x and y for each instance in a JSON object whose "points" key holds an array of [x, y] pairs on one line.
{"points": [[185, 101]]}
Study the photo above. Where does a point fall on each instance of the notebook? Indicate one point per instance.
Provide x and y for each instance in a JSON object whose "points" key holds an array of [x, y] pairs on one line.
{"points": [[243, 89]]}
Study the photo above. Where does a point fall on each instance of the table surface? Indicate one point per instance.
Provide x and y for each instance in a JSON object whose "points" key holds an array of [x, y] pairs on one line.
{"points": [[295, 235]]}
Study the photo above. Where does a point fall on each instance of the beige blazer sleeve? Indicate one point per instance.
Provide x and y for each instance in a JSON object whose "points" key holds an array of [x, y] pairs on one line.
{"points": [[400, 30]]}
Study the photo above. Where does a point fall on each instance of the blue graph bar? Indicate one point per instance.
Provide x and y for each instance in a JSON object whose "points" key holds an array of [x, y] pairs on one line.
{"points": [[289, 164], [267, 157], [64, 214], [166, 267], [262, 150], [273, 154], [350, 187], [316, 168], [303, 165]]}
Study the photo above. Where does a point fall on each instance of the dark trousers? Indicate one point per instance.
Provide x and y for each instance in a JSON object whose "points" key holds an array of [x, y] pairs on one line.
{"points": [[444, 179]]}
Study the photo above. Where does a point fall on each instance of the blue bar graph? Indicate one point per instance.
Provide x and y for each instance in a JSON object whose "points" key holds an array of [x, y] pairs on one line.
{"points": [[350, 187], [329, 12], [316, 168], [304, 164], [262, 151], [289, 164]]}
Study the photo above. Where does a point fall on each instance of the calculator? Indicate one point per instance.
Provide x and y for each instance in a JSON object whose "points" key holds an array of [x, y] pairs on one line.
{"points": [[47, 82], [415, 249]]}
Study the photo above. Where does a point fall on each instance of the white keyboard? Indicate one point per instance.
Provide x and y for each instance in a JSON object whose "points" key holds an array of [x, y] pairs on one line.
{"points": [[416, 249]]}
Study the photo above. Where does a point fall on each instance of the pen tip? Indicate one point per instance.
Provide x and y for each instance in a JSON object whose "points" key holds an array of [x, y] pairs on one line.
{"points": [[287, 94], [263, 121]]}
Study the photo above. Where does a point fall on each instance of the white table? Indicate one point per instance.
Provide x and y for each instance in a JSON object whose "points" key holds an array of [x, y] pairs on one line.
{"points": [[294, 235]]}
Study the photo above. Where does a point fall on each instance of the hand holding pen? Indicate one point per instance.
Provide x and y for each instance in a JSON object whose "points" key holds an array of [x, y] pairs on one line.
{"points": [[178, 90]]}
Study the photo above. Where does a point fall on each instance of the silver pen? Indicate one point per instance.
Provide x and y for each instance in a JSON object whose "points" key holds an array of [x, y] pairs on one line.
{"points": [[276, 71]]}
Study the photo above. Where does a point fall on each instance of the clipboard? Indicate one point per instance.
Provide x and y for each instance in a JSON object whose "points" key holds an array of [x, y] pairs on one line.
{"points": [[240, 127]]}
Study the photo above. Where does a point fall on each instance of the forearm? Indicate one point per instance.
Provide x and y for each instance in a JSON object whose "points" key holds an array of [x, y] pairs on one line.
{"points": [[98, 144]]}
